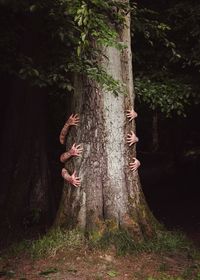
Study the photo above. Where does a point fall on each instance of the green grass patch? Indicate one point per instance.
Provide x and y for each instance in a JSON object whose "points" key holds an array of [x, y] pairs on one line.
{"points": [[49, 244], [56, 240], [164, 241]]}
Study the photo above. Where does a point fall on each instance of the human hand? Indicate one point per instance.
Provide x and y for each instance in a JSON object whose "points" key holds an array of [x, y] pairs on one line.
{"points": [[73, 120], [132, 138], [131, 114], [72, 179], [76, 150], [134, 165]]}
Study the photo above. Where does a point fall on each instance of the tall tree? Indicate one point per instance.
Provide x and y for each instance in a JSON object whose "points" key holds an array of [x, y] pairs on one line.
{"points": [[110, 193]]}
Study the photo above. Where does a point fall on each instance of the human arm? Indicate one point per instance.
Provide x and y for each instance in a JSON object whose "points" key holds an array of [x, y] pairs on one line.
{"points": [[72, 120], [75, 150], [72, 179]]}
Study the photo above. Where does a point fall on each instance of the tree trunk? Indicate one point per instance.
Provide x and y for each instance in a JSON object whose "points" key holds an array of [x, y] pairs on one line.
{"points": [[110, 193]]}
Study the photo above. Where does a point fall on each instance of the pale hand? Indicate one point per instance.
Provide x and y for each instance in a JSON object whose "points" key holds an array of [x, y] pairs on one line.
{"points": [[75, 181], [72, 179], [132, 138], [131, 114], [76, 150], [73, 120], [134, 165]]}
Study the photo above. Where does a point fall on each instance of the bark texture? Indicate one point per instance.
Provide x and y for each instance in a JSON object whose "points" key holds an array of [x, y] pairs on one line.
{"points": [[110, 193]]}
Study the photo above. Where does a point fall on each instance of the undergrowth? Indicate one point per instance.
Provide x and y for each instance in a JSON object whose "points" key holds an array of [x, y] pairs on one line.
{"points": [[49, 244], [58, 239], [164, 241]]}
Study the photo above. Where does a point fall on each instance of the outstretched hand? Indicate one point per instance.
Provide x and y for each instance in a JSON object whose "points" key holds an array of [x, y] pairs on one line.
{"points": [[76, 150], [132, 138], [131, 114], [73, 120], [134, 165], [72, 179]]}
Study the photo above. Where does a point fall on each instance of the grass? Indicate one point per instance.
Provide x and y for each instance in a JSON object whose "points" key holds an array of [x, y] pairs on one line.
{"points": [[164, 241], [56, 240], [170, 249], [49, 244]]}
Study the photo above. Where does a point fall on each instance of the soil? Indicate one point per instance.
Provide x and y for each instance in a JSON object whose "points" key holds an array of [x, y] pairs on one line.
{"points": [[85, 264]]}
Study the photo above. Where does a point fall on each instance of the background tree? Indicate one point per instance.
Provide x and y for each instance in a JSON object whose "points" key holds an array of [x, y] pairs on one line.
{"points": [[166, 86]]}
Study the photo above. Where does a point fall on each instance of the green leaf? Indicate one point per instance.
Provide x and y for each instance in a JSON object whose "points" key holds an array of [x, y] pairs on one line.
{"points": [[112, 273], [79, 50], [32, 8], [36, 72]]}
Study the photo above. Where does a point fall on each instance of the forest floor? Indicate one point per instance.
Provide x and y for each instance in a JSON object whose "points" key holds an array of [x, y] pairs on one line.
{"points": [[84, 263]]}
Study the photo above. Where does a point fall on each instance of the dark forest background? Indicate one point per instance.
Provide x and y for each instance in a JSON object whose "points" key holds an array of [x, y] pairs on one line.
{"points": [[38, 56]]}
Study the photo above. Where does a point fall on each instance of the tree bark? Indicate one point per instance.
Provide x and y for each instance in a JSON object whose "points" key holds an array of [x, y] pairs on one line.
{"points": [[110, 193]]}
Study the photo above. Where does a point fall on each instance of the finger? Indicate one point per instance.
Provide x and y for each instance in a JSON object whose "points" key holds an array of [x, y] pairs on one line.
{"points": [[76, 184]]}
